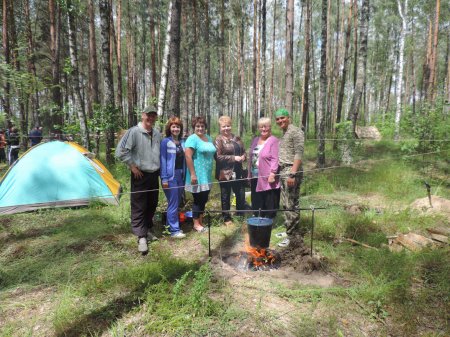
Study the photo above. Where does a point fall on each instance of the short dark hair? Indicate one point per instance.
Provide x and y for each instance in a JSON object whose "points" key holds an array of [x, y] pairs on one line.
{"points": [[198, 119], [173, 120]]}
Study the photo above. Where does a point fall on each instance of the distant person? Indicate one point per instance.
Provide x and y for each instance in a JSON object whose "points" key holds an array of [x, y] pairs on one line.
{"points": [[35, 136], [291, 153], [229, 158], [263, 170], [14, 146], [139, 148], [199, 152], [2, 147], [173, 167]]}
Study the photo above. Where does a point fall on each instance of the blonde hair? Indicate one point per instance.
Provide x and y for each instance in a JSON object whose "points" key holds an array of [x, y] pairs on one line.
{"points": [[224, 119], [264, 120]]}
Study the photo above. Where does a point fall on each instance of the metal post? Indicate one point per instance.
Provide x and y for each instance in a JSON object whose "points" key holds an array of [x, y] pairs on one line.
{"points": [[209, 233], [429, 193], [312, 229]]}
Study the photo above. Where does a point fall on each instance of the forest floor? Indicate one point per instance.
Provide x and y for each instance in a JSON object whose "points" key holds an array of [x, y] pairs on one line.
{"points": [[72, 272]]}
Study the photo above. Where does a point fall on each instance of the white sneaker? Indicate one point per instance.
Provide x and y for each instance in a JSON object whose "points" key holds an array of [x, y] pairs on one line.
{"points": [[284, 243], [281, 235], [142, 245], [178, 235]]}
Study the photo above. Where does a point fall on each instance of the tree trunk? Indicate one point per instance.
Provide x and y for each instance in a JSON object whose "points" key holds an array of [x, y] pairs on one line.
{"points": [[174, 50], [270, 104], [153, 84], [165, 64], [362, 60], [6, 101], [194, 59], [305, 94], [289, 55], [131, 71], [31, 65], [222, 59], [93, 91], [110, 110], [262, 109], [21, 95], [255, 113], [57, 117], [344, 67], [186, 49], [398, 111], [323, 86], [81, 111], [207, 111], [241, 37], [431, 95], [118, 51]]}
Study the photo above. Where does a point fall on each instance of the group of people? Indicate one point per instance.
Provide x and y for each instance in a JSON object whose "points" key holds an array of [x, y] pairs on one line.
{"points": [[273, 171], [10, 143]]}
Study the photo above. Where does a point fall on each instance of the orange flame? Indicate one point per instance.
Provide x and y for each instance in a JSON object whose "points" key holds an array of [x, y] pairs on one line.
{"points": [[259, 256]]}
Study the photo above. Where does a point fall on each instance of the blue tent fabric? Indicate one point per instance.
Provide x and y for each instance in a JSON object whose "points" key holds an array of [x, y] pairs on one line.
{"points": [[50, 175]]}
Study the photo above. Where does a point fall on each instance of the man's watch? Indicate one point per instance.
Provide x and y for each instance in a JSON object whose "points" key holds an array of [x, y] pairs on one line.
{"points": [[291, 175]]}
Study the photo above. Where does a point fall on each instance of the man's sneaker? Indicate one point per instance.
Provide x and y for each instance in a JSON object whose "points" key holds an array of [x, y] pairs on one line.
{"points": [[281, 235], [178, 235], [151, 237], [142, 245], [284, 243]]}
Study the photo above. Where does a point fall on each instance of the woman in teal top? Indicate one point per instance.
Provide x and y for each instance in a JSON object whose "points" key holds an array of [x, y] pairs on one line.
{"points": [[199, 154]]}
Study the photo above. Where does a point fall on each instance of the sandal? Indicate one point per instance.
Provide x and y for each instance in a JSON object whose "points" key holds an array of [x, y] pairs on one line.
{"points": [[202, 230]]}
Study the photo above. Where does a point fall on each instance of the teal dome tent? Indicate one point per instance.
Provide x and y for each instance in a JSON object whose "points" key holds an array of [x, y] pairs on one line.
{"points": [[56, 174]]}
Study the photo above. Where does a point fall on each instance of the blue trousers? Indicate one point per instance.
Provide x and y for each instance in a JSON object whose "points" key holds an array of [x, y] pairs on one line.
{"points": [[174, 194]]}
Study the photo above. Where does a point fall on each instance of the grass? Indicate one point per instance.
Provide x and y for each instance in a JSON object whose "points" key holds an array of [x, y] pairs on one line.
{"points": [[79, 269]]}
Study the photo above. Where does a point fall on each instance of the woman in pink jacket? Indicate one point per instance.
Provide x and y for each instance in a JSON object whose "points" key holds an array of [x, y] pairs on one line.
{"points": [[263, 169]]}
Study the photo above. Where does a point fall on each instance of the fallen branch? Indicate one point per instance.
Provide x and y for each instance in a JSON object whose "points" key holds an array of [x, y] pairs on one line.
{"points": [[359, 243]]}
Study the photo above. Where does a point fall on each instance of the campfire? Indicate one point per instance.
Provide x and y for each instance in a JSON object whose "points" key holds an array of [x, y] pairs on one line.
{"points": [[257, 255], [261, 258]]}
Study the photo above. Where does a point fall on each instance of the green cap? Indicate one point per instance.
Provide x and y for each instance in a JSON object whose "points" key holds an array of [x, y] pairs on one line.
{"points": [[281, 112], [149, 109]]}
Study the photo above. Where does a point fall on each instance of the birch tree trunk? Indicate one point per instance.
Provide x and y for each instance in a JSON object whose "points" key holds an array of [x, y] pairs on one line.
{"points": [[165, 64], [81, 110], [93, 90], [174, 49], [398, 111]]}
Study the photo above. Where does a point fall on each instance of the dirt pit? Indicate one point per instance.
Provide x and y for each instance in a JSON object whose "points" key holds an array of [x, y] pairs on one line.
{"points": [[294, 261], [438, 205]]}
